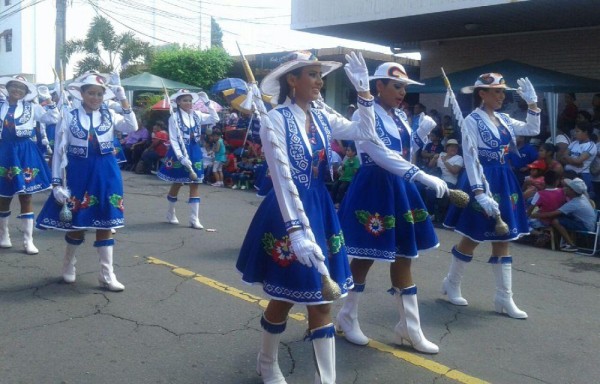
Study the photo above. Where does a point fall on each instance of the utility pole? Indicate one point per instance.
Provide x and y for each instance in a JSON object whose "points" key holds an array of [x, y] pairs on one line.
{"points": [[61, 35]]}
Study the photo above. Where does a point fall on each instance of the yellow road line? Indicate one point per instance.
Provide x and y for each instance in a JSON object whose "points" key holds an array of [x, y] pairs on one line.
{"points": [[412, 358]]}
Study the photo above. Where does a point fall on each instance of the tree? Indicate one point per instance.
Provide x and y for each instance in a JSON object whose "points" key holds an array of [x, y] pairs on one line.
{"points": [[216, 34], [192, 66], [105, 50]]}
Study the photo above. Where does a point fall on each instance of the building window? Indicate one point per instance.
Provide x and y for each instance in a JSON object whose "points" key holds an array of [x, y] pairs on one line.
{"points": [[8, 39]]}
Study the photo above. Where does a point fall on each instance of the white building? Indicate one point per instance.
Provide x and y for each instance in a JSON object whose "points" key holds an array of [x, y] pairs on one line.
{"points": [[27, 31]]}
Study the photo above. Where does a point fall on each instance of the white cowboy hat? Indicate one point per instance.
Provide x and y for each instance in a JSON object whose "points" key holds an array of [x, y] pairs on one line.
{"points": [[32, 90], [393, 71], [184, 92], [43, 92], [294, 60], [488, 80], [90, 79]]}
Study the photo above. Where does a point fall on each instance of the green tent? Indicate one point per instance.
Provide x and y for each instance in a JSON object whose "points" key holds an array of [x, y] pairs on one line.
{"points": [[146, 81]]}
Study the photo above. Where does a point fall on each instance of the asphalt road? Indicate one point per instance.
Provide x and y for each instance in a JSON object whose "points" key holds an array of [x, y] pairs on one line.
{"points": [[185, 316]]}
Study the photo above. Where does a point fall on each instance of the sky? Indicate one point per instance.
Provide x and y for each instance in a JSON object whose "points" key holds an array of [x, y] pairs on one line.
{"points": [[259, 26]]}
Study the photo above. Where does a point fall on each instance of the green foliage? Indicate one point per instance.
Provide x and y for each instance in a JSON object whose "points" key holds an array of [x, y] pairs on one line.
{"points": [[105, 50], [192, 66]]}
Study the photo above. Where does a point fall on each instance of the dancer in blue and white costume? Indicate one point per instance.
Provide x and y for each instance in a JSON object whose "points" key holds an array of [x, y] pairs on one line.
{"points": [[487, 136], [278, 251], [383, 216], [23, 170], [185, 155], [94, 188]]}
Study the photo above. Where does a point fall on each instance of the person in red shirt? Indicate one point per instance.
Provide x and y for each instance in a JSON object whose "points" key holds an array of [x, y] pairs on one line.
{"points": [[230, 166], [158, 148]]}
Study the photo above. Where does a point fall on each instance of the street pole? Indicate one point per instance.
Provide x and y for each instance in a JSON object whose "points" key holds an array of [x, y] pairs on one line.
{"points": [[61, 35]]}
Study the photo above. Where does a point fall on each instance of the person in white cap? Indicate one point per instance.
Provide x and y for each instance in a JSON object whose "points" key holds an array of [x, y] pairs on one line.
{"points": [[183, 162], [487, 138], [23, 170], [296, 224], [383, 215], [92, 188]]}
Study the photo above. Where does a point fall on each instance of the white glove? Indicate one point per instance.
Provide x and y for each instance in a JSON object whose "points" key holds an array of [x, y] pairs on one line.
{"points": [[186, 162], [307, 252], [45, 142], [357, 71], [119, 92], [435, 183], [426, 125], [489, 205], [203, 97], [61, 194], [526, 90], [115, 79]]}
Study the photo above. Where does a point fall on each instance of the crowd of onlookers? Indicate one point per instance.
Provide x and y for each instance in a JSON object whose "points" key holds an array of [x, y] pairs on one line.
{"points": [[554, 175]]}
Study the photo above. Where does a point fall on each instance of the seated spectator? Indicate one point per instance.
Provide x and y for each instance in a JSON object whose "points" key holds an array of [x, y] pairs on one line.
{"points": [[577, 214], [535, 181], [134, 144], [243, 121], [431, 149], [518, 161], [158, 147], [549, 199], [244, 173], [230, 166], [580, 154], [547, 153], [448, 131], [348, 170], [450, 164], [232, 119]]}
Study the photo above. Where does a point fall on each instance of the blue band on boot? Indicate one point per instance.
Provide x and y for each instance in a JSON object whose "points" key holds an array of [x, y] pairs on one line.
{"points": [[412, 290], [324, 332], [73, 241], [461, 256], [5, 214], [172, 199], [193, 200], [359, 288], [272, 328], [29, 215], [104, 243], [501, 260]]}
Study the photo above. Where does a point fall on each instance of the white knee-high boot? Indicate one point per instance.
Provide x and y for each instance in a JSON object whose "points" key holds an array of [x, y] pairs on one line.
{"points": [[107, 277], [267, 362], [4, 233], [69, 272], [409, 327], [451, 283], [194, 203], [171, 218], [27, 222], [503, 301], [324, 348], [347, 318]]}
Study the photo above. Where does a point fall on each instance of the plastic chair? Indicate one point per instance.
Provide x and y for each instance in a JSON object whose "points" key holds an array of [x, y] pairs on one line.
{"points": [[588, 234]]}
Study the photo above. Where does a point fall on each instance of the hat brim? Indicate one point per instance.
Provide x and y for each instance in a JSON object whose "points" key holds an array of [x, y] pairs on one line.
{"points": [[471, 88], [571, 184], [30, 87], [74, 90], [177, 94], [270, 84], [406, 81]]}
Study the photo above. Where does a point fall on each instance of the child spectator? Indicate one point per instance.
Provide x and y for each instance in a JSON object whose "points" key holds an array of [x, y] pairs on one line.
{"points": [[535, 181], [546, 153], [157, 150], [220, 158], [577, 214], [580, 154], [230, 166], [349, 168], [208, 157], [245, 172], [431, 149], [450, 164], [549, 199]]}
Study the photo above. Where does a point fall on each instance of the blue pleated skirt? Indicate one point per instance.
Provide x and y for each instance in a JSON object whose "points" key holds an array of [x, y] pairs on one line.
{"points": [[474, 224], [266, 257], [172, 171], [383, 216], [96, 195], [23, 169]]}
